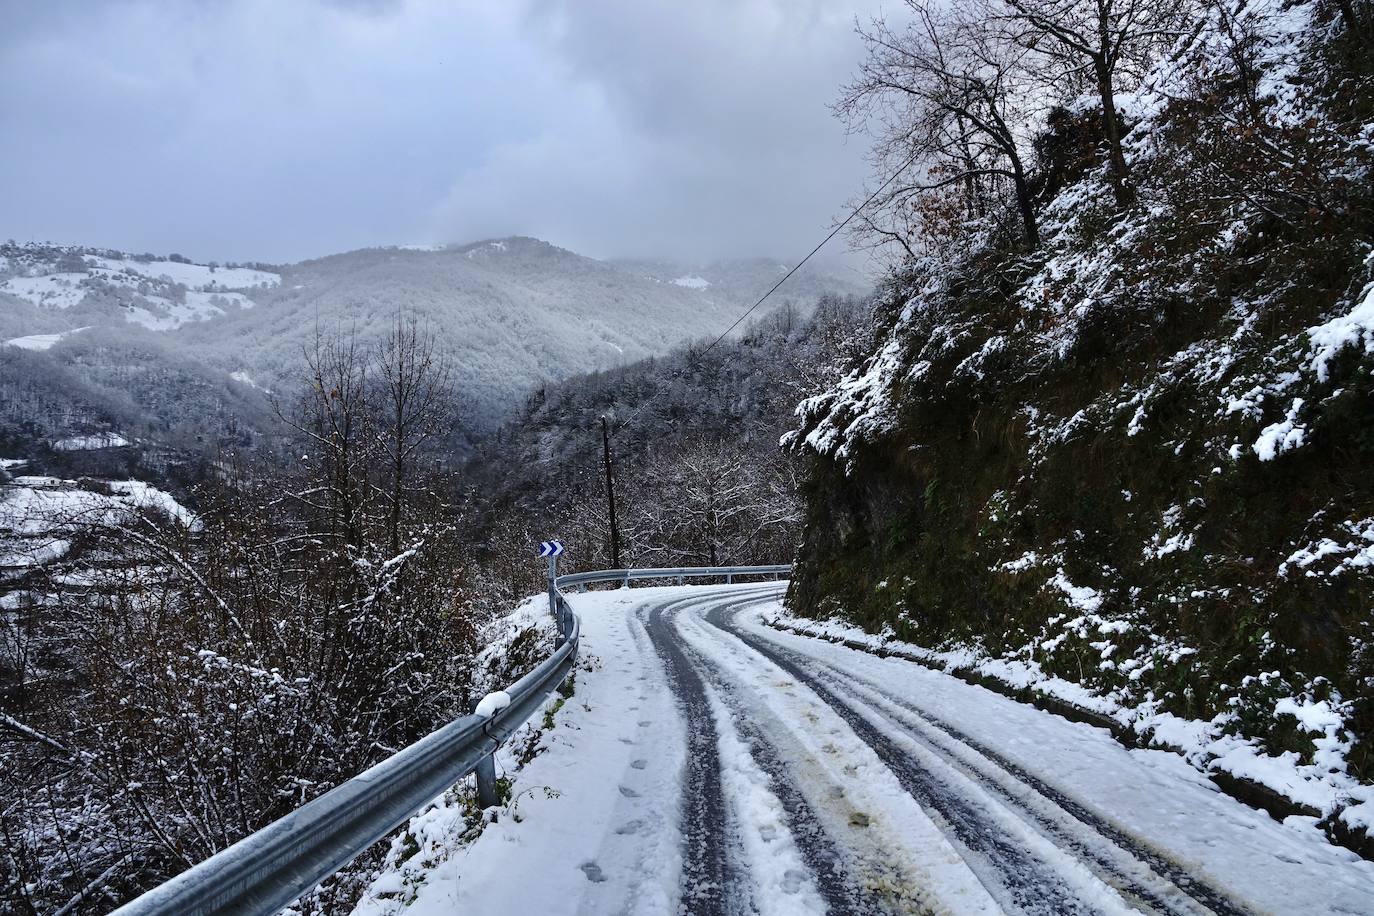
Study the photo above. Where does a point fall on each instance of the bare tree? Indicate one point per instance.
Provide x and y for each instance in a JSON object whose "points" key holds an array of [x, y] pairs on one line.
{"points": [[948, 93], [334, 418], [415, 404], [716, 503], [1096, 40]]}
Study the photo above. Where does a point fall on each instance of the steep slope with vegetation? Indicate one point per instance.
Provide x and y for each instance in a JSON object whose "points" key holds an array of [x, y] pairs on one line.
{"points": [[698, 476], [1117, 428]]}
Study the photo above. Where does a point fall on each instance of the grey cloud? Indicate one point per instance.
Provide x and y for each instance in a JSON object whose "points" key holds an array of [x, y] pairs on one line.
{"points": [[267, 130]]}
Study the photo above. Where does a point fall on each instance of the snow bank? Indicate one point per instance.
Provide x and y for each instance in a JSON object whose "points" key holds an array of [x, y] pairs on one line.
{"points": [[1324, 786]]}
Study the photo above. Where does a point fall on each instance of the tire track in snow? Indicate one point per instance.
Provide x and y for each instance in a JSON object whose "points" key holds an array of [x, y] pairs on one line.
{"points": [[1126, 863], [1018, 876], [1074, 821], [844, 893], [711, 884]]}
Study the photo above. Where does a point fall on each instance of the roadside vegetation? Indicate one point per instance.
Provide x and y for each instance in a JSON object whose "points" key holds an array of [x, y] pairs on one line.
{"points": [[1116, 427]]}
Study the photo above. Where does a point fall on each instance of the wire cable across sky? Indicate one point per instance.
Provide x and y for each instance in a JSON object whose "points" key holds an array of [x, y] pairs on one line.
{"points": [[749, 311]]}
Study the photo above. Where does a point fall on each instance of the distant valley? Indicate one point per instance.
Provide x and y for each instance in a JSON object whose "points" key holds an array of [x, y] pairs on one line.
{"points": [[169, 353]]}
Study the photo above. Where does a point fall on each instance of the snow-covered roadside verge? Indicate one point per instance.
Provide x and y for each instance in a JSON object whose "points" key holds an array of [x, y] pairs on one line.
{"points": [[514, 644], [586, 813], [1329, 799]]}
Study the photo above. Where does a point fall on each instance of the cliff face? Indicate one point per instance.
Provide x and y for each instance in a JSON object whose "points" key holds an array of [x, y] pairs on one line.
{"points": [[1141, 456]]}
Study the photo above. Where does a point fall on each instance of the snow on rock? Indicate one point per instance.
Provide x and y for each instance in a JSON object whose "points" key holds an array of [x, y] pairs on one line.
{"points": [[1277, 438], [1022, 563], [1081, 597], [492, 703], [1353, 329], [1355, 550]]}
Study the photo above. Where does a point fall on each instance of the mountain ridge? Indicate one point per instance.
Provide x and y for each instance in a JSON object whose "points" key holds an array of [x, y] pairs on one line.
{"points": [[508, 314]]}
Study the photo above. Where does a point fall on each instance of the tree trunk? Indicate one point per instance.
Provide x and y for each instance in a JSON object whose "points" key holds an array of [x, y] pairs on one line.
{"points": [[1027, 208], [1024, 204], [1111, 131], [1353, 22], [394, 521]]}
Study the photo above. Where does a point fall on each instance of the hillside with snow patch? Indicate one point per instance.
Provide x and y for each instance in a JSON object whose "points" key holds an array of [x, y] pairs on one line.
{"points": [[144, 343], [1134, 458]]}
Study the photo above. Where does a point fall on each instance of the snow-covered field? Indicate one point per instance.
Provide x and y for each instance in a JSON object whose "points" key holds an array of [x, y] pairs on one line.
{"points": [[159, 294], [40, 341], [708, 763], [40, 515]]}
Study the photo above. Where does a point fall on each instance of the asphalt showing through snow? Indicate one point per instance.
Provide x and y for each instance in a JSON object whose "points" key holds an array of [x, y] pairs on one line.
{"points": [[1033, 849], [710, 884]]}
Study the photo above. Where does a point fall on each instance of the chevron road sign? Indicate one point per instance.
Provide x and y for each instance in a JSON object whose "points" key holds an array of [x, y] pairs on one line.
{"points": [[550, 548]]}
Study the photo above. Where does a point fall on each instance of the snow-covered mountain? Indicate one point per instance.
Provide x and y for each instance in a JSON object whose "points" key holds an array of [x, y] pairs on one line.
{"points": [[509, 314]]}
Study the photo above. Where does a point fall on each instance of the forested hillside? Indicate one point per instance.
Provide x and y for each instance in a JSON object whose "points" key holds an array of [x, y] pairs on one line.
{"points": [[1114, 438], [176, 355], [699, 478]]}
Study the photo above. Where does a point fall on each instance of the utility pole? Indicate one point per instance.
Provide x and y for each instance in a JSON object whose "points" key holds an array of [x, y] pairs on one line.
{"points": [[610, 493]]}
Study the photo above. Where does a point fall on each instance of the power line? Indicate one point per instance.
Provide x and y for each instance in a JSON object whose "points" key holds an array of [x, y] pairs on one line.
{"points": [[749, 311]]}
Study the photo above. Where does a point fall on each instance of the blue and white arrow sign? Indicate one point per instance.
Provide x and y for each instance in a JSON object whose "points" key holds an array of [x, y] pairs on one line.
{"points": [[550, 548]]}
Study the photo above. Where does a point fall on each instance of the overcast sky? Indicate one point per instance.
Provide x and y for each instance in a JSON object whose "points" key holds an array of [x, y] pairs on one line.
{"points": [[282, 129]]}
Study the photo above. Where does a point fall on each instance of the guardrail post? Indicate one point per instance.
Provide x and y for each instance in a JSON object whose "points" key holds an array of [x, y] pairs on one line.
{"points": [[553, 586], [729, 578], [486, 781], [680, 579]]}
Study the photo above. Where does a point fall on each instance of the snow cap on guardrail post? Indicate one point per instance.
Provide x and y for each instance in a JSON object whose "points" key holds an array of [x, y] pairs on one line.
{"points": [[485, 770]]}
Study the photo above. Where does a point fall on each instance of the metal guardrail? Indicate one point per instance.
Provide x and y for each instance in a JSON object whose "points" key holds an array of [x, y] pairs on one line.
{"points": [[677, 574], [266, 871]]}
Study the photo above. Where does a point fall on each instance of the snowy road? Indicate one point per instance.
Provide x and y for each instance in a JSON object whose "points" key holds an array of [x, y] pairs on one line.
{"points": [[713, 765]]}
